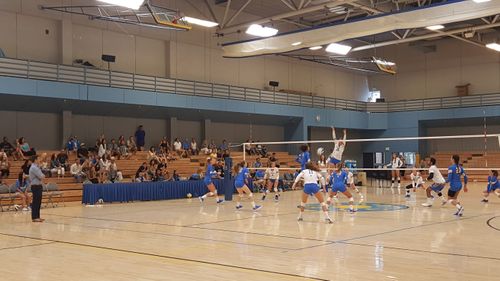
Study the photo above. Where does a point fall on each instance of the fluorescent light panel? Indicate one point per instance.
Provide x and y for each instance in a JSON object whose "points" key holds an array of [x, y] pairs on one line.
{"points": [[435, 27], [200, 22], [338, 49], [316, 48], [296, 43], [481, 1], [132, 4], [493, 46], [261, 31]]}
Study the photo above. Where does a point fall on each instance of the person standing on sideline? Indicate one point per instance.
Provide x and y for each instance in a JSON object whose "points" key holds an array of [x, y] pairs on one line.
{"points": [[140, 138], [36, 177]]}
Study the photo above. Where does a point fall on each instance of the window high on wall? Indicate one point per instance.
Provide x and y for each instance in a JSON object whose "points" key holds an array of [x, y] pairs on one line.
{"points": [[374, 95]]}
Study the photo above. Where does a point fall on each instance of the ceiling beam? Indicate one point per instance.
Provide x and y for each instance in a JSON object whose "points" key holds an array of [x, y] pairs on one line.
{"points": [[214, 18], [295, 23], [301, 4], [366, 8], [311, 9], [426, 36], [289, 5], [238, 12], [228, 4]]}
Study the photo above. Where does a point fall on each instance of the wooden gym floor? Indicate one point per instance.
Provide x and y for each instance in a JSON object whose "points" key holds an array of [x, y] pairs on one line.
{"points": [[184, 240]]}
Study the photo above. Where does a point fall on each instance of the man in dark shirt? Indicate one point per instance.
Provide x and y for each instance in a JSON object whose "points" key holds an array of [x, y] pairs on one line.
{"points": [[7, 146], [141, 169], [140, 138]]}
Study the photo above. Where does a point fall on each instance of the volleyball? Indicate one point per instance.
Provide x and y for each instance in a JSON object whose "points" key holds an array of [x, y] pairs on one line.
{"points": [[320, 151], [189, 195]]}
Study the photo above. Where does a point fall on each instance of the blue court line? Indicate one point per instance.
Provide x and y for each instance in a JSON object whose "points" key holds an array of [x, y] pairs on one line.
{"points": [[167, 257]]}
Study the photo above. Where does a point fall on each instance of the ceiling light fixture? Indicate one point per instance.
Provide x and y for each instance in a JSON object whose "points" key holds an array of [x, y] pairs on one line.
{"points": [[261, 31], [338, 49], [493, 46], [315, 48], [200, 22], [131, 4], [435, 27], [481, 1], [296, 43]]}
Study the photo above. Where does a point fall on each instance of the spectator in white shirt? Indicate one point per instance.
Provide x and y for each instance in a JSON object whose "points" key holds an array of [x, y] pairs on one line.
{"points": [[178, 147], [76, 170], [194, 147]]}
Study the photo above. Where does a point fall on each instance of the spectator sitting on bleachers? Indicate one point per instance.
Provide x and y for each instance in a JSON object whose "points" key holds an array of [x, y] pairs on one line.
{"points": [[165, 146], [152, 155], [141, 177], [4, 166], [82, 152], [122, 148], [104, 165], [248, 148], [178, 147], [7, 147], [197, 176], [63, 158], [224, 145], [288, 180], [273, 158], [25, 148], [163, 163], [141, 170], [175, 176], [219, 168], [56, 167], [115, 175], [193, 147], [131, 145], [22, 191], [72, 145], [212, 147], [113, 148], [204, 148], [76, 171], [45, 165], [261, 150], [186, 145], [102, 148], [27, 164]]}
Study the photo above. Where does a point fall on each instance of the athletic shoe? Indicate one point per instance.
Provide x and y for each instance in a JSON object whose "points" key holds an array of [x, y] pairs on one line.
{"points": [[459, 212], [300, 219], [276, 197], [25, 209], [257, 207], [239, 207], [201, 199], [427, 204], [350, 210], [484, 200], [17, 207], [220, 201], [407, 196], [328, 220]]}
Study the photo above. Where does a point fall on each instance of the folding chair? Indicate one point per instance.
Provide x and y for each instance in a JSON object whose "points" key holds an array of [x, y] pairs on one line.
{"points": [[51, 190]]}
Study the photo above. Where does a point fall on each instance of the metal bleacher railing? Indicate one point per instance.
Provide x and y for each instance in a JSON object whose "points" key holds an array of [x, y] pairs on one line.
{"points": [[91, 76]]}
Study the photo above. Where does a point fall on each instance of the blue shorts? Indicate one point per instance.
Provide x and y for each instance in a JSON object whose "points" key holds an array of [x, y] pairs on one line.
{"points": [[437, 187], [334, 161], [311, 188], [491, 188], [239, 184], [207, 182], [340, 188]]}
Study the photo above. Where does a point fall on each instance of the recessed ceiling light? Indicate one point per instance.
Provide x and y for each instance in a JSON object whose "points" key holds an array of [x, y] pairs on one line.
{"points": [[132, 4], [435, 27], [200, 22], [481, 1], [296, 43], [338, 49], [493, 46], [315, 48]]}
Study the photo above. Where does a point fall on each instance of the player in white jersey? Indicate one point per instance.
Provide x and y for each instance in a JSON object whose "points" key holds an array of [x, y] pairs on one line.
{"points": [[437, 186], [416, 181], [338, 149], [311, 177], [395, 164], [272, 178], [351, 185]]}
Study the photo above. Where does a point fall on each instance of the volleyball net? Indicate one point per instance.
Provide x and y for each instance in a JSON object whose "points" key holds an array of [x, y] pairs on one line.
{"points": [[478, 152]]}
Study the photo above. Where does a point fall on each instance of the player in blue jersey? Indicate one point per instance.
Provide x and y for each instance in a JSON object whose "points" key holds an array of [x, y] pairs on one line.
{"points": [[209, 174], [493, 186], [240, 182], [455, 174], [337, 183], [304, 157]]}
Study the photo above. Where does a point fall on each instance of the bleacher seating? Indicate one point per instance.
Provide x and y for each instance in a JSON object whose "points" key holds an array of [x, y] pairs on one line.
{"points": [[471, 160], [185, 167]]}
